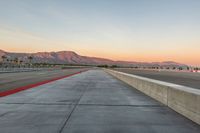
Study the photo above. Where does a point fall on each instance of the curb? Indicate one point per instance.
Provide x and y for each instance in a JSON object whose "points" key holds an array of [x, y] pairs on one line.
{"points": [[16, 90]]}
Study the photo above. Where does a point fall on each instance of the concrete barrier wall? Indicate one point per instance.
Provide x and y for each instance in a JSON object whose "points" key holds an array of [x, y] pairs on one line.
{"points": [[184, 100]]}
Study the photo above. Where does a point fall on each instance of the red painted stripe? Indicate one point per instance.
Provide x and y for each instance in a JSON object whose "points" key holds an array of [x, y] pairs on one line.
{"points": [[12, 91]]}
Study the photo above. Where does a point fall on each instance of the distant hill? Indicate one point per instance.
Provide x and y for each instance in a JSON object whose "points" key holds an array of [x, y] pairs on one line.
{"points": [[70, 57]]}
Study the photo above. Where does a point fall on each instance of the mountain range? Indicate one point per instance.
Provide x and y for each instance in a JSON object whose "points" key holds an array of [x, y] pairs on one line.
{"points": [[70, 57]]}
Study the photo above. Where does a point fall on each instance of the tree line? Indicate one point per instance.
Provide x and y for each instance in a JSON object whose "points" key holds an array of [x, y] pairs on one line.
{"points": [[7, 61]]}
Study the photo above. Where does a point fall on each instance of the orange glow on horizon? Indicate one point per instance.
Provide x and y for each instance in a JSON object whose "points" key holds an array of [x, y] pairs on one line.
{"points": [[190, 60]]}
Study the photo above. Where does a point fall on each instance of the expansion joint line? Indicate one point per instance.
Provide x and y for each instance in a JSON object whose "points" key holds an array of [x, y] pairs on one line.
{"points": [[75, 105]]}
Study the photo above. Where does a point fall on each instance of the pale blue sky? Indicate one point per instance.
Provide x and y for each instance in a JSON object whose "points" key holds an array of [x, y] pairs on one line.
{"points": [[117, 29]]}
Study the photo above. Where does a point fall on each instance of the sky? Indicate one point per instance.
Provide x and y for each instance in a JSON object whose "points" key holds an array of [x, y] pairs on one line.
{"points": [[130, 30]]}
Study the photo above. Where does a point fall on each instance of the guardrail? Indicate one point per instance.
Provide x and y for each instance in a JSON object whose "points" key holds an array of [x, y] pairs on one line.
{"points": [[11, 70], [182, 99]]}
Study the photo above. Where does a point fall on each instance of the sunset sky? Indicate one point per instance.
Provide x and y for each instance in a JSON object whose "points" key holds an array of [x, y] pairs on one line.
{"points": [[132, 30]]}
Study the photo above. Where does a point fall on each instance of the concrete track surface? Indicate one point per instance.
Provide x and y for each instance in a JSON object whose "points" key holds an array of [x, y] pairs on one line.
{"points": [[182, 78], [90, 102]]}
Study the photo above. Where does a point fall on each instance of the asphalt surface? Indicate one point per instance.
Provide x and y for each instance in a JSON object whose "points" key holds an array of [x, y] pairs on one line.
{"points": [[90, 102], [9, 81], [182, 78]]}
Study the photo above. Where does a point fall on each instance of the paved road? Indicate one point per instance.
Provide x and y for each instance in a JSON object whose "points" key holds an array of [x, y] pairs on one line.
{"points": [[91, 102], [10, 81], [181, 78]]}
